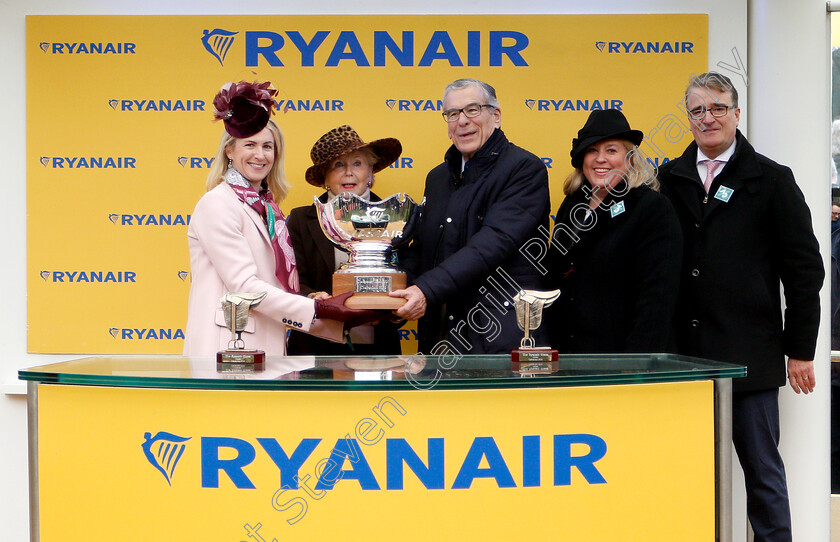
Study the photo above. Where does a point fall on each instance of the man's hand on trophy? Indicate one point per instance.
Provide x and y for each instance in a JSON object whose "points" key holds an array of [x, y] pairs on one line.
{"points": [[333, 308], [415, 306]]}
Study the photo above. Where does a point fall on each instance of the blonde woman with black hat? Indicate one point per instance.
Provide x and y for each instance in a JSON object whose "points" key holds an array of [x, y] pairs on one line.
{"points": [[341, 163], [616, 247], [238, 238]]}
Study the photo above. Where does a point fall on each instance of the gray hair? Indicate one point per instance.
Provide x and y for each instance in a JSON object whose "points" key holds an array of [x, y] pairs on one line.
{"points": [[489, 92], [715, 81]]}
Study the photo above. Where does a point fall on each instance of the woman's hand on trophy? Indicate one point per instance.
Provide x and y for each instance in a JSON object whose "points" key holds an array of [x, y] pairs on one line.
{"points": [[415, 306], [319, 295], [333, 308]]}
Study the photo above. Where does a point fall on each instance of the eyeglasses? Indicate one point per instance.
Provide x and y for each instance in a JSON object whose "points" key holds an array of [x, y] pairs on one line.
{"points": [[717, 111], [470, 111]]}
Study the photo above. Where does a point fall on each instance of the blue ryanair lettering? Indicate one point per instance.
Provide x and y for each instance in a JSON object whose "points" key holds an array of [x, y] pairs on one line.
{"points": [[650, 47], [419, 105], [198, 162], [94, 276], [483, 450], [310, 105], [155, 220], [94, 162], [579, 105], [126, 48], [403, 162], [500, 45], [162, 105], [143, 334]]}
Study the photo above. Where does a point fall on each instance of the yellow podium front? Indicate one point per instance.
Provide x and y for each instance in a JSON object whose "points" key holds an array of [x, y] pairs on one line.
{"points": [[298, 456]]}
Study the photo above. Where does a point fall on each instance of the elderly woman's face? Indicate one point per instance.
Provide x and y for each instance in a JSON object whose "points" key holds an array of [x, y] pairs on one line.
{"points": [[349, 173], [253, 156], [604, 163]]}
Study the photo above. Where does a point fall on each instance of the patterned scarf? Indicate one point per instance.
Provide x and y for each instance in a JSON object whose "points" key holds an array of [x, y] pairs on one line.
{"points": [[263, 203]]}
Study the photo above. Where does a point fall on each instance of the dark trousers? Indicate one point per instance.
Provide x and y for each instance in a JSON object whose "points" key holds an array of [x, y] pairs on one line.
{"points": [[755, 434]]}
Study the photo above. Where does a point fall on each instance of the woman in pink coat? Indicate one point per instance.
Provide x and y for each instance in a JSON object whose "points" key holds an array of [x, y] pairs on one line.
{"points": [[239, 242]]}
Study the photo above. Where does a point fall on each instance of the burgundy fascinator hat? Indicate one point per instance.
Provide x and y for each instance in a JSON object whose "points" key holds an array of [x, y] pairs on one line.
{"points": [[244, 107]]}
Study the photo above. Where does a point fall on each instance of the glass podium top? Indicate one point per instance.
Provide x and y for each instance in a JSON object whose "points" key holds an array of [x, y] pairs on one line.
{"points": [[375, 372]]}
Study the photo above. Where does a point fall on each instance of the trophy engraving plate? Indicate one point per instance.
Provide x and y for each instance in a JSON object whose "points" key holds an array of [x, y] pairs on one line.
{"points": [[529, 358], [369, 231], [372, 284]]}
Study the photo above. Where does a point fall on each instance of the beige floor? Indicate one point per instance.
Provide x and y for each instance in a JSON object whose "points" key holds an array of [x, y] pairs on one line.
{"points": [[835, 518]]}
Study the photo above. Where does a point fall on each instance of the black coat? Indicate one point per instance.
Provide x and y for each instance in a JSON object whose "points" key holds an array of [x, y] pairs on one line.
{"points": [[735, 255], [315, 256], [619, 280], [465, 256]]}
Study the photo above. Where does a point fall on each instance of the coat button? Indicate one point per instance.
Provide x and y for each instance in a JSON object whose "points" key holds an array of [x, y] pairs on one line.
{"points": [[695, 272], [448, 219], [451, 317], [695, 323], [696, 224]]}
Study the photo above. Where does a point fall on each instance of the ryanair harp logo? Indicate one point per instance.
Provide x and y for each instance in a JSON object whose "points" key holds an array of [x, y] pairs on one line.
{"points": [[163, 451], [218, 42]]}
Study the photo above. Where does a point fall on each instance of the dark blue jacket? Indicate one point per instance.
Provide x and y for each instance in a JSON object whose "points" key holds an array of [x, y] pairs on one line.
{"points": [[466, 257]]}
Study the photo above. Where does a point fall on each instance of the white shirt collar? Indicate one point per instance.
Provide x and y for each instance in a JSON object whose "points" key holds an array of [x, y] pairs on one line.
{"points": [[723, 157]]}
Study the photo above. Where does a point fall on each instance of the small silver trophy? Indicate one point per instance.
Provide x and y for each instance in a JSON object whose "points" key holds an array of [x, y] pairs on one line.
{"points": [[369, 231], [236, 306], [529, 358]]}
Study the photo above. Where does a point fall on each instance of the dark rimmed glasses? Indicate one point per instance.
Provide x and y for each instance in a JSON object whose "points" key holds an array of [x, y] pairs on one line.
{"points": [[717, 111], [470, 111]]}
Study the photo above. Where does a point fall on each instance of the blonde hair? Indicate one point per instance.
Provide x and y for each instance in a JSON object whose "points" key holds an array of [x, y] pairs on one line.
{"points": [[276, 179], [639, 171]]}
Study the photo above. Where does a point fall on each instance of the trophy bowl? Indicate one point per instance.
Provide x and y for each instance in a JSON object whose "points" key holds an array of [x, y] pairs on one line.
{"points": [[369, 231]]}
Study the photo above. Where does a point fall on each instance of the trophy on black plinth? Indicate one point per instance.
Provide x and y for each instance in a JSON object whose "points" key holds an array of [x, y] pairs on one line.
{"points": [[236, 306], [529, 358], [369, 231]]}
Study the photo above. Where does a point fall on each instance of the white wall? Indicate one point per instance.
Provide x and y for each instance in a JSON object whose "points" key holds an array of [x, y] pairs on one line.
{"points": [[727, 30], [796, 73]]}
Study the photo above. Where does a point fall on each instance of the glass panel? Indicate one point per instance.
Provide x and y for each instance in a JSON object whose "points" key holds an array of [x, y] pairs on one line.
{"points": [[377, 372]]}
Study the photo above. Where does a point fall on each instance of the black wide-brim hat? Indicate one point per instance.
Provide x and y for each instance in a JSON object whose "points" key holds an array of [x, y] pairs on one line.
{"points": [[344, 140], [601, 125]]}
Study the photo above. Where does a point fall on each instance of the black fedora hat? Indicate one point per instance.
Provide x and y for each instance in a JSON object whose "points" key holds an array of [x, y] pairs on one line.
{"points": [[601, 125]]}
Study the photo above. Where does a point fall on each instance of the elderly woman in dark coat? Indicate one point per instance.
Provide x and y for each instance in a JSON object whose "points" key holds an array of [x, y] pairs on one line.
{"points": [[341, 163], [616, 247]]}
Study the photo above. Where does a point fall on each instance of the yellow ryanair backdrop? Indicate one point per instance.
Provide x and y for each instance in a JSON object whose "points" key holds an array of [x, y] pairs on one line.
{"points": [[604, 463], [120, 131]]}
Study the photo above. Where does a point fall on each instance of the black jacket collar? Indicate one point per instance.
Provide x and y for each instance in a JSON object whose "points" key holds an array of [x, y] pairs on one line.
{"points": [[486, 154]]}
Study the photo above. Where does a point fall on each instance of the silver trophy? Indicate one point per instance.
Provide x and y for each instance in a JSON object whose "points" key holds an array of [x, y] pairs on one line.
{"points": [[529, 358], [236, 306], [369, 231]]}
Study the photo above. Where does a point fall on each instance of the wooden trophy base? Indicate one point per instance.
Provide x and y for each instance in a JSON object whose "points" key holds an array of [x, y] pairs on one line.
{"points": [[240, 361], [537, 360], [370, 290], [240, 356]]}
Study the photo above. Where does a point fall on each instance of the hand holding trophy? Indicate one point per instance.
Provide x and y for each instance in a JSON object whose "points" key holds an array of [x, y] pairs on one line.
{"points": [[528, 358]]}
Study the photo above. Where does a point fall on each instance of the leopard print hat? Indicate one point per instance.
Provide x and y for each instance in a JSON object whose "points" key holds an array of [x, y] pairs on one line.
{"points": [[343, 140]]}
